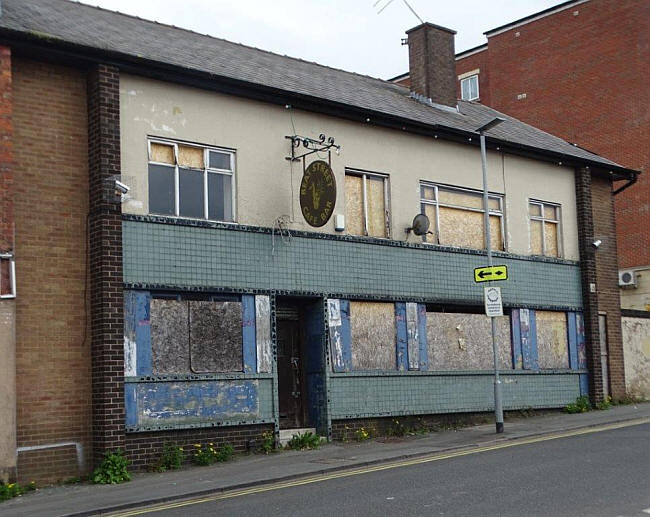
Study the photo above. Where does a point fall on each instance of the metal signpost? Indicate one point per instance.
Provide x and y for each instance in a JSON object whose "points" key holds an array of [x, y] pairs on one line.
{"points": [[492, 294]]}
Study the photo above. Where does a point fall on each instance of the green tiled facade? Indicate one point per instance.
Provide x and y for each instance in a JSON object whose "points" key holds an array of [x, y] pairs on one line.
{"points": [[194, 256], [368, 395]]}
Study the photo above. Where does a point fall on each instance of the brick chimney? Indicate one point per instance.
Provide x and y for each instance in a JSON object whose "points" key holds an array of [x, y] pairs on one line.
{"points": [[432, 66]]}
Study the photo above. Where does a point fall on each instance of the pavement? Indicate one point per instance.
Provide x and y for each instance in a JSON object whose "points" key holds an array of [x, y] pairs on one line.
{"points": [[84, 499]]}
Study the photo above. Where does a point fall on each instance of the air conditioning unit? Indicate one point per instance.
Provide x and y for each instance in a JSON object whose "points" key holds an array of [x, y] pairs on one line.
{"points": [[627, 278]]}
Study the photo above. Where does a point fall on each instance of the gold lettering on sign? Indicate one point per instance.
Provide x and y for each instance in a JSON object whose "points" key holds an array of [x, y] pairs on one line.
{"points": [[318, 193]]}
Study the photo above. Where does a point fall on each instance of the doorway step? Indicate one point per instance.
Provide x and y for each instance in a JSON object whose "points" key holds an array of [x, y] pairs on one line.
{"points": [[287, 434]]}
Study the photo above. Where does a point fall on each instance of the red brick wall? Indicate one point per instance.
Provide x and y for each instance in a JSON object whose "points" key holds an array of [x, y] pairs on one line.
{"points": [[584, 79], [473, 62], [51, 204]]}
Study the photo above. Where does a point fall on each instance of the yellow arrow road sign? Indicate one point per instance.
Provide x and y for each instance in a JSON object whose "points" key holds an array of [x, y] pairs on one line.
{"points": [[490, 273]]}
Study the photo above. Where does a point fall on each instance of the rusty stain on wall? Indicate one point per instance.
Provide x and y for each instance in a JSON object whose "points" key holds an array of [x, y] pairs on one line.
{"points": [[263, 333], [552, 339], [216, 341], [636, 349], [372, 326], [169, 337], [459, 341]]}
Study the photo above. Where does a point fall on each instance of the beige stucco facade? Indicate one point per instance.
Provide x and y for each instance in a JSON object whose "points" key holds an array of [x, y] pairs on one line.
{"points": [[267, 185], [7, 390]]}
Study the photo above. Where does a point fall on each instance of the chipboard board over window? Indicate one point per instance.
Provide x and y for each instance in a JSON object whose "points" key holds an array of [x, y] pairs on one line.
{"points": [[456, 216]]}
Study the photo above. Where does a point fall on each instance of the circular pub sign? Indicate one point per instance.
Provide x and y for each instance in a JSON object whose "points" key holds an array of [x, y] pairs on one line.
{"points": [[318, 193]]}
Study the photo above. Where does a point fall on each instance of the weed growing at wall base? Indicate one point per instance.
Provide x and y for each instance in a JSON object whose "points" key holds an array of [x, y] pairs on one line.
{"points": [[14, 490], [581, 405], [171, 459], [208, 455], [303, 441], [268, 442], [112, 470]]}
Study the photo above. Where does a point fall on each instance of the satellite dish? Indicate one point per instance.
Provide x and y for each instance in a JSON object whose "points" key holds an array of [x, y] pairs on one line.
{"points": [[420, 225]]}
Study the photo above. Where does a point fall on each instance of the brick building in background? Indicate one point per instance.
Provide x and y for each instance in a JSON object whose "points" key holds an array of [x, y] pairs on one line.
{"points": [[577, 70]]}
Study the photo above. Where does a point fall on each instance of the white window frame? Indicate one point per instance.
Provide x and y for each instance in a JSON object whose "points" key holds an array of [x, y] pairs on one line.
{"points": [[206, 170], [557, 221], [434, 202], [385, 178], [468, 81]]}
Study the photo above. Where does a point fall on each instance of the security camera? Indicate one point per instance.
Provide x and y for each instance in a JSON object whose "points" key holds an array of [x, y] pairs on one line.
{"points": [[596, 244], [121, 187]]}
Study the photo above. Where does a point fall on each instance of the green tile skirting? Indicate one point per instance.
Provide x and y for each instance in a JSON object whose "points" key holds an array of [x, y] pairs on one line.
{"points": [[368, 395], [188, 256]]}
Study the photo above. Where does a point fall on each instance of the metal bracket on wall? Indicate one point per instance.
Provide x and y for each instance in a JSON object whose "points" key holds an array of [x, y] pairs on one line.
{"points": [[7, 261], [311, 145]]}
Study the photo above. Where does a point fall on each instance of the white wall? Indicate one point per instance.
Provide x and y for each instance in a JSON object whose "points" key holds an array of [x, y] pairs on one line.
{"points": [[267, 184]]}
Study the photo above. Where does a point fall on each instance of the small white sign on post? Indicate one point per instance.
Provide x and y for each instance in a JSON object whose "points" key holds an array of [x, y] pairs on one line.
{"points": [[493, 303]]}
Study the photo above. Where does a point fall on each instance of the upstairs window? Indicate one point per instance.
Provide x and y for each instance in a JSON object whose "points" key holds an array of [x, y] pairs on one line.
{"points": [[189, 180], [456, 216], [545, 234], [366, 204], [469, 88]]}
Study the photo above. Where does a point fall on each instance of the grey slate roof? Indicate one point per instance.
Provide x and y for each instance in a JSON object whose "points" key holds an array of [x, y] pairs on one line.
{"points": [[88, 26]]}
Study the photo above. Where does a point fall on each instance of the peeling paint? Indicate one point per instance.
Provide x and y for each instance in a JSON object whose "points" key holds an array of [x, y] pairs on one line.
{"points": [[263, 333], [129, 357], [196, 401], [413, 337]]}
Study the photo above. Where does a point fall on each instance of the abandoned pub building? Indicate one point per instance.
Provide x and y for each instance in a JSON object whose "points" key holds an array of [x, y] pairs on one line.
{"points": [[175, 271]]}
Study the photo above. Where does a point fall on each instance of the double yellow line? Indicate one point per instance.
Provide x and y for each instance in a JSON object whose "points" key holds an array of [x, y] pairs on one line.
{"points": [[375, 468]]}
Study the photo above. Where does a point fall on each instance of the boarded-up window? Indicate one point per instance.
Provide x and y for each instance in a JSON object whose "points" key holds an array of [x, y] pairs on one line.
{"points": [[216, 336], [366, 204], [552, 339], [190, 181], [196, 336], [169, 336], [460, 341], [456, 216], [544, 229], [372, 328]]}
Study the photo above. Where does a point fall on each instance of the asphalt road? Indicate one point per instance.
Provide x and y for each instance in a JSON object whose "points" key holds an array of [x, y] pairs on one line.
{"points": [[601, 474]]}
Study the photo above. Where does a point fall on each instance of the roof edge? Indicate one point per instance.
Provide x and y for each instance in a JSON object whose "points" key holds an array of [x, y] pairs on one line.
{"points": [[532, 17], [160, 70], [472, 51]]}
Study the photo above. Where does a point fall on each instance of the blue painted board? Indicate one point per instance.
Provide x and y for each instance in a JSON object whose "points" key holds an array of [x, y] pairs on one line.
{"points": [[402, 336], [422, 333], [161, 403], [517, 357], [572, 330], [143, 333], [130, 404]]}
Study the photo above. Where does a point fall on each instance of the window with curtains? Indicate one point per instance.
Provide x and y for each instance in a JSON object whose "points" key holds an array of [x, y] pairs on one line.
{"points": [[456, 216], [189, 180]]}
